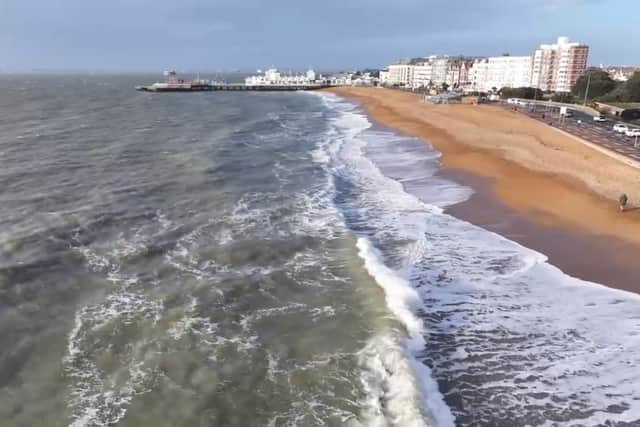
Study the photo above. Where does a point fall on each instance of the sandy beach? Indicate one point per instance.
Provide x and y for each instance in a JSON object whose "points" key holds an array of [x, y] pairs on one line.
{"points": [[537, 186]]}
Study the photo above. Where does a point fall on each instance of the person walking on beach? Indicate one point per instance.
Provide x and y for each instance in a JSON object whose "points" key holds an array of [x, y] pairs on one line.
{"points": [[623, 201]]}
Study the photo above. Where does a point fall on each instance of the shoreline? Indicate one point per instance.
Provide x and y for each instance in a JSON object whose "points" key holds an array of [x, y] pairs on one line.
{"points": [[558, 215], [577, 253]]}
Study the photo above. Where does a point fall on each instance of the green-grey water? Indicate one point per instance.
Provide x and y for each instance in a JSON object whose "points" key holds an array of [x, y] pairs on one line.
{"points": [[257, 259]]}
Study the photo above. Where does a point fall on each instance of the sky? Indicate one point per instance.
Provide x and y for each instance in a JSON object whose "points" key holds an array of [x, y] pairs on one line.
{"points": [[222, 35]]}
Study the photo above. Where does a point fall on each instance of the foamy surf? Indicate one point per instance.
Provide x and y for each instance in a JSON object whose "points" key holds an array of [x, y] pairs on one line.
{"points": [[412, 396], [514, 339], [401, 391], [261, 267]]}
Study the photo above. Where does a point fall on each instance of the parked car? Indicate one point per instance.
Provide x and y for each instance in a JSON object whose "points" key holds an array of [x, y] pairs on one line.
{"points": [[599, 118], [633, 132], [522, 103], [567, 113], [620, 128]]}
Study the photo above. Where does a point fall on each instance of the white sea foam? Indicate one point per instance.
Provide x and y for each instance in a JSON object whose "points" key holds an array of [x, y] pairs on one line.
{"points": [[533, 340], [410, 385], [94, 399], [400, 389]]}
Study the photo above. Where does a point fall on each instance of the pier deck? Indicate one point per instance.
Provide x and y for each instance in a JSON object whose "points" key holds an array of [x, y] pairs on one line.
{"points": [[233, 87]]}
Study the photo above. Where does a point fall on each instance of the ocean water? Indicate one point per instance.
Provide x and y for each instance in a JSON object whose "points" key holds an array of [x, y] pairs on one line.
{"points": [[256, 259]]}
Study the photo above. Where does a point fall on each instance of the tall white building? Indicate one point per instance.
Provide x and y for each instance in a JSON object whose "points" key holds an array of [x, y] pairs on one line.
{"points": [[500, 71], [384, 77], [400, 75], [440, 69], [479, 75], [556, 67], [435, 71], [422, 75]]}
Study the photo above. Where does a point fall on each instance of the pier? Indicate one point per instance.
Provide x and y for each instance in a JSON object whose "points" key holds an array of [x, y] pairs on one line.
{"points": [[271, 81], [237, 87]]}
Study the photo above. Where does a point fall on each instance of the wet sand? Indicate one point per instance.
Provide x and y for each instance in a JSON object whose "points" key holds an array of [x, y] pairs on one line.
{"points": [[599, 259], [572, 217]]}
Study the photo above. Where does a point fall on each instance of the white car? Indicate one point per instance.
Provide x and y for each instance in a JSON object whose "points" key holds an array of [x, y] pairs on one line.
{"points": [[620, 128], [600, 119], [523, 103], [565, 112], [512, 101], [633, 132]]}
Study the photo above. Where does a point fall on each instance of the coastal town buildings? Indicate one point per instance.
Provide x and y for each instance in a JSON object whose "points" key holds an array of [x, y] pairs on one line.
{"points": [[364, 79], [433, 71], [552, 67], [422, 75], [400, 75], [620, 74], [500, 71], [339, 79], [440, 68], [383, 78], [430, 72], [458, 70], [273, 77], [556, 67], [479, 75]]}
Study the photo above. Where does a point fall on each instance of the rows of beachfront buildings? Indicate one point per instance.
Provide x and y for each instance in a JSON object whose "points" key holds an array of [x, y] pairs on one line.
{"points": [[273, 77], [551, 67]]}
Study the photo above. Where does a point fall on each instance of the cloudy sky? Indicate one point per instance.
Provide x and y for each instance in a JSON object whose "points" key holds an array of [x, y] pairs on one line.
{"points": [[208, 35]]}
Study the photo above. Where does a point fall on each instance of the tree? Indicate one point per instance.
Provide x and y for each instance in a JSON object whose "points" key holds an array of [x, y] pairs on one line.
{"points": [[632, 88], [565, 97], [599, 82], [625, 92], [445, 86]]}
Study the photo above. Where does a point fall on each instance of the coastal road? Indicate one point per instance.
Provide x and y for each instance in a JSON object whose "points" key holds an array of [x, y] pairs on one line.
{"points": [[582, 125]]}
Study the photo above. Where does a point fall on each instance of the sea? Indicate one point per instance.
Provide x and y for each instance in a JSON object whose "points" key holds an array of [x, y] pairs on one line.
{"points": [[274, 259]]}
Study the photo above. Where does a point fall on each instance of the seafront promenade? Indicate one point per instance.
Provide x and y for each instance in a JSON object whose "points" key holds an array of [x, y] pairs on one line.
{"points": [[582, 126]]}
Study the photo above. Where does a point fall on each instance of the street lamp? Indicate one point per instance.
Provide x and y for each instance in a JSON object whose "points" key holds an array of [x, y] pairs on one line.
{"points": [[586, 91]]}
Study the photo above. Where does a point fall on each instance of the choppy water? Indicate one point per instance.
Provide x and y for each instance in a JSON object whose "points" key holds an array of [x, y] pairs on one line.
{"points": [[241, 259]]}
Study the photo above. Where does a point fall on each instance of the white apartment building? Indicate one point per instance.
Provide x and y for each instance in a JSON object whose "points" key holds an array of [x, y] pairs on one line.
{"points": [[384, 77], [434, 71], [422, 75], [500, 71], [556, 67], [400, 75], [479, 75], [431, 71], [439, 72]]}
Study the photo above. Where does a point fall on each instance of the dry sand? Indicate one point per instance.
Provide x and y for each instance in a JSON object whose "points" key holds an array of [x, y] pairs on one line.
{"points": [[548, 179]]}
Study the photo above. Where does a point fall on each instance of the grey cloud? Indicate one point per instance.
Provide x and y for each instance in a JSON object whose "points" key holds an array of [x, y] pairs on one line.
{"points": [[148, 34]]}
